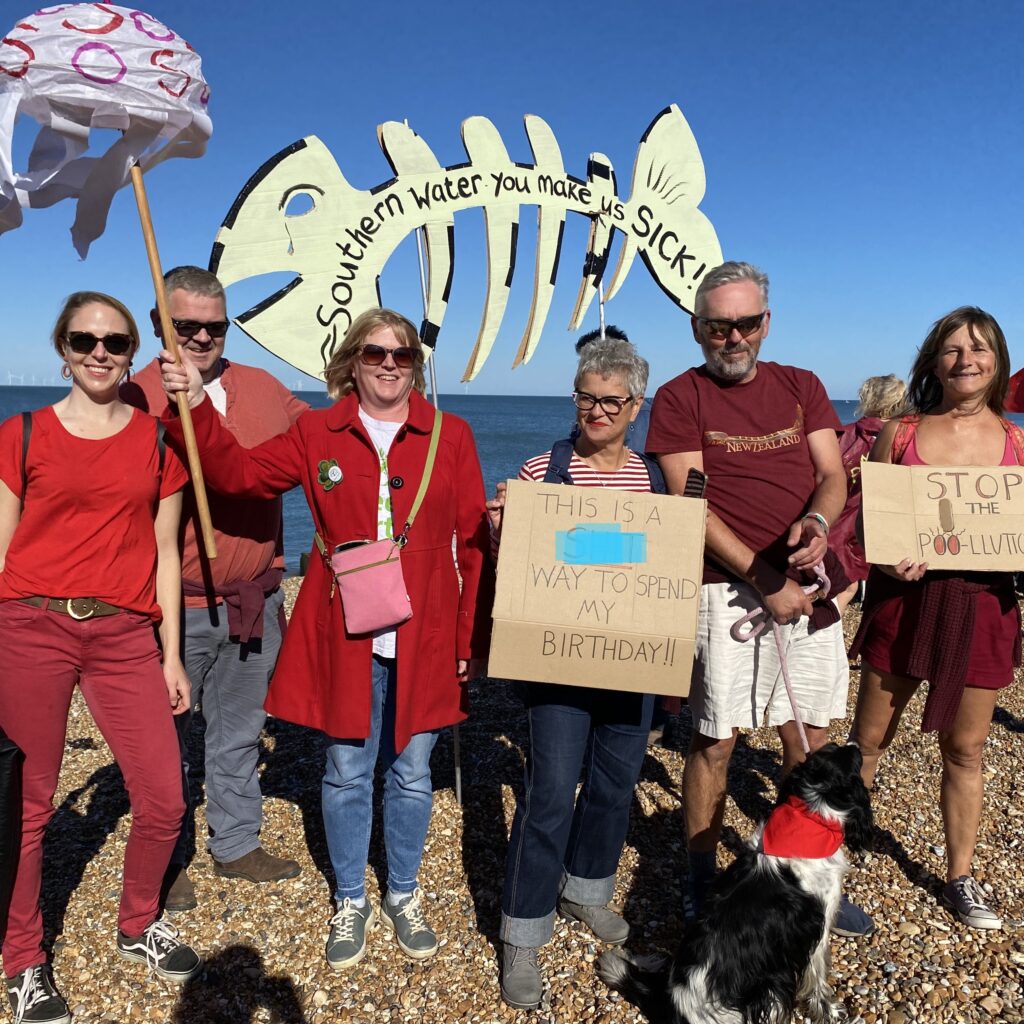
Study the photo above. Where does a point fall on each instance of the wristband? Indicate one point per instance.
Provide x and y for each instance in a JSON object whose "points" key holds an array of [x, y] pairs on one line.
{"points": [[819, 519]]}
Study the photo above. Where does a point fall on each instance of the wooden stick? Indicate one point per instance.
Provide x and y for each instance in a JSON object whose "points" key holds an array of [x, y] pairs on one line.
{"points": [[171, 344]]}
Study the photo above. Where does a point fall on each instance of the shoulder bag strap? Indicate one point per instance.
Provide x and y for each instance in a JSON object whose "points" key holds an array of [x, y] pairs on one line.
{"points": [[654, 473], [26, 435], [558, 464], [428, 469]]}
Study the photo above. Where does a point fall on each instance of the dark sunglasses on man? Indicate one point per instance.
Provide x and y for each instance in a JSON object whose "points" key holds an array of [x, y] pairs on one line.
{"points": [[190, 328], [746, 325], [404, 356], [83, 342]]}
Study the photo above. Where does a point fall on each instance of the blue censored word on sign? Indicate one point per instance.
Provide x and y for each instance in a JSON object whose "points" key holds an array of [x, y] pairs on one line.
{"points": [[600, 544]]}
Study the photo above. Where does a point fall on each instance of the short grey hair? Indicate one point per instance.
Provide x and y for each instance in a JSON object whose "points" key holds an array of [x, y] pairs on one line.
{"points": [[730, 272], [607, 356], [194, 280]]}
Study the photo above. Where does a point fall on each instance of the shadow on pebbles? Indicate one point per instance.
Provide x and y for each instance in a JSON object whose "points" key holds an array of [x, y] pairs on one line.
{"points": [[263, 945]]}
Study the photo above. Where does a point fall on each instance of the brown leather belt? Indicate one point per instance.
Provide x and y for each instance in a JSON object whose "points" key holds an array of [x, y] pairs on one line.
{"points": [[77, 607]]}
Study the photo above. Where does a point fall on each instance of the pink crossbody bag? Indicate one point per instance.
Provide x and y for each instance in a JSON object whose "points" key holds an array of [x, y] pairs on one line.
{"points": [[368, 573]]}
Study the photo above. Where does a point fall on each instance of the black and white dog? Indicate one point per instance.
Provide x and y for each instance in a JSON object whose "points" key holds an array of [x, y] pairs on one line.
{"points": [[760, 946]]}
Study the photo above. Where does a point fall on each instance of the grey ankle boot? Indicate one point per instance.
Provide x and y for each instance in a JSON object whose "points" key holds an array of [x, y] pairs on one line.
{"points": [[521, 985]]}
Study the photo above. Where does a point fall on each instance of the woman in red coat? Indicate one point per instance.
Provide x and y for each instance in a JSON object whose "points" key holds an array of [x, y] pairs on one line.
{"points": [[360, 463]]}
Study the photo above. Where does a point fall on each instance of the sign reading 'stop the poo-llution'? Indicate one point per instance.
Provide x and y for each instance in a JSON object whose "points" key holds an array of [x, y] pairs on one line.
{"points": [[952, 517], [598, 588]]}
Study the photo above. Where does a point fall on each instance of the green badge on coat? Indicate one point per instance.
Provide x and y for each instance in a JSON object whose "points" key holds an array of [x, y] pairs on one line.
{"points": [[329, 473]]}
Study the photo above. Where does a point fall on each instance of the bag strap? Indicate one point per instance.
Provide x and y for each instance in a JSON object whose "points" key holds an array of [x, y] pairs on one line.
{"points": [[26, 435], [161, 446], [558, 464], [428, 469]]}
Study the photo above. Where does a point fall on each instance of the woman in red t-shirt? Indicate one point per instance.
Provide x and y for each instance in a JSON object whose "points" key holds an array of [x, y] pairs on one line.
{"points": [[89, 565], [959, 630]]}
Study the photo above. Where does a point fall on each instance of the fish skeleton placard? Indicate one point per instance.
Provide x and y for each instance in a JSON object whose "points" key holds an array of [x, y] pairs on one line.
{"points": [[952, 517], [298, 214], [598, 588]]}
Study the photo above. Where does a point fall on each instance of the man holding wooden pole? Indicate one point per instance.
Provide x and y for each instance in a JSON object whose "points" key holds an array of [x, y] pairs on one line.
{"points": [[233, 605]]}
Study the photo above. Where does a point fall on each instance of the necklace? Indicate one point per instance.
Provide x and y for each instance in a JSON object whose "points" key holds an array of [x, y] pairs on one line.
{"points": [[601, 473]]}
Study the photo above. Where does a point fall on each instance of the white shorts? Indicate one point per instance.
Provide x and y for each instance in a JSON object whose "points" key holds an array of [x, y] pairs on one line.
{"points": [[740, 686]]}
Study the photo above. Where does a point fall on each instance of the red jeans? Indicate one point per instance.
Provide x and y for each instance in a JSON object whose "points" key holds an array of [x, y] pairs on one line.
{"points": [[115, 661]]}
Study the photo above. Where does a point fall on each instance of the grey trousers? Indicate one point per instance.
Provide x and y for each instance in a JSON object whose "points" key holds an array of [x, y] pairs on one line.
{"points": [[230, 681]]}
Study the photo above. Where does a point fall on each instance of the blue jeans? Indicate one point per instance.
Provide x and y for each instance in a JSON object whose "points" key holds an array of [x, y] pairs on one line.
{"points": [[561, 844], [347, 795]]}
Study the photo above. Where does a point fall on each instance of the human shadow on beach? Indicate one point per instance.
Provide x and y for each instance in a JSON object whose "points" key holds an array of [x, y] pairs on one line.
{"points": [[74, 836], [232, 987], [492, 741], [293, 770], [654, 902], [1010, 722]]}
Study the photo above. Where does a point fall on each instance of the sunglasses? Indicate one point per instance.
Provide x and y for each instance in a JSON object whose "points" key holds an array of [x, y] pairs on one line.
{"points": [[746, 325], [190, 328], [584, 401], [404, 357], [83, 342]]}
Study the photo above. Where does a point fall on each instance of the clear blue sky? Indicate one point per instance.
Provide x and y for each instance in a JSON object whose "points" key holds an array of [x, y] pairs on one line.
{"points": [[869, 156]]}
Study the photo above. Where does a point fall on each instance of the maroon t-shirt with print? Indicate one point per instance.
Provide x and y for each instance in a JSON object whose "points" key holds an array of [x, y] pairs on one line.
{"points": [[753, 437]]}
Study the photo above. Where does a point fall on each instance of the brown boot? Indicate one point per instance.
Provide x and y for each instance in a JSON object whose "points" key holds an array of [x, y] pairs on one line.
{"points": [[178, 891], [257, 866]]}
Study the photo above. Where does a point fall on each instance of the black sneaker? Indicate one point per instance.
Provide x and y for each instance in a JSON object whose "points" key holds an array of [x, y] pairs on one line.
{"points": [[160, 948], [35, 999]]}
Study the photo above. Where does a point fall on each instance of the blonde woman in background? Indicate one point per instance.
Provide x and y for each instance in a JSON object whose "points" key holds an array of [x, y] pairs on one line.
{"points": [[880, 398]]}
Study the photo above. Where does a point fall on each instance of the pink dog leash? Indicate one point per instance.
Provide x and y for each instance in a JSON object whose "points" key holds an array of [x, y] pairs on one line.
{"points": [[758, 619]]}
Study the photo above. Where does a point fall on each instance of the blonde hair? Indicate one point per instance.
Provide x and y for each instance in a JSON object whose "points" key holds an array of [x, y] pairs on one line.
{"points": [[79, 300], [338, 373], [884, 397]]}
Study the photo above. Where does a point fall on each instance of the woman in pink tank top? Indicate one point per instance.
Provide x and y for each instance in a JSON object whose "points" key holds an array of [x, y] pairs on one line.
{"points": [[960, 631]]}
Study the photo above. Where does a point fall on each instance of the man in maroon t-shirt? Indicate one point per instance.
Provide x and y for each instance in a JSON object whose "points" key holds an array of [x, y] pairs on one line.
{"points": [[765, 435]]}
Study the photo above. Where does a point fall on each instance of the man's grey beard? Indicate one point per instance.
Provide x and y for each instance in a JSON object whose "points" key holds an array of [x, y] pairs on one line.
{"points": [[726, 370]]}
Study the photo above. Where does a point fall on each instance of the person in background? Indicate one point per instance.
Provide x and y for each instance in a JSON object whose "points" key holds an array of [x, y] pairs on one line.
{"points": [[90, 591], [234, 605], [880, 398], [564, 849], [381, 696], [959, 630], [765, 435]]}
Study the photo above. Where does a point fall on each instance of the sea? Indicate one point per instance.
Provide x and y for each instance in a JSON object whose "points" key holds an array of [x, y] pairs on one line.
{"points": [[508, 430]]}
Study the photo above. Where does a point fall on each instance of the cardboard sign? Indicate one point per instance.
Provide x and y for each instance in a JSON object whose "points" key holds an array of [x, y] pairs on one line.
{"points": [[952, 517], [297, 213], [598, 588]]}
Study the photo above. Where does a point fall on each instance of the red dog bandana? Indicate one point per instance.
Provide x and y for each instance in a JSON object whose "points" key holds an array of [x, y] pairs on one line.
{"points": [[793, 830]]}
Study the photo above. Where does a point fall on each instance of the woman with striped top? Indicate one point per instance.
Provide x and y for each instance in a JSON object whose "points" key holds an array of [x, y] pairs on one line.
{"points": [[564, 850]]}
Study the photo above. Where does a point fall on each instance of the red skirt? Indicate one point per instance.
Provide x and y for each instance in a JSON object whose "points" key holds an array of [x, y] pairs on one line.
{"points": [[890, 636]]}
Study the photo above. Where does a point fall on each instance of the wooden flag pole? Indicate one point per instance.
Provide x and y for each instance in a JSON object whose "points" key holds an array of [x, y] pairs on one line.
{"points": [[171, 343]]}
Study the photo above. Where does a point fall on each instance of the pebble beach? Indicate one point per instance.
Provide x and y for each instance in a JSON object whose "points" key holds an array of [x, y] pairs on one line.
{"points": [[263, 945]]}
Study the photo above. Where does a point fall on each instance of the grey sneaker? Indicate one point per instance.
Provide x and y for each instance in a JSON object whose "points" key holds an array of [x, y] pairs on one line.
{"points": [[160, 948], [605, 924], [350, 927], [967, 899], [521, 985], [406, 920], [35, 999]]}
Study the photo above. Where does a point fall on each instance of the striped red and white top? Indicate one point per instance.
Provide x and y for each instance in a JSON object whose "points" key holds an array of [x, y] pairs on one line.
{"points": [[633, 476]]}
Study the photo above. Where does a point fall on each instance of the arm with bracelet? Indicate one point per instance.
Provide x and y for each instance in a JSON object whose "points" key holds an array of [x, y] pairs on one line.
{"points": [[809, 534]]}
